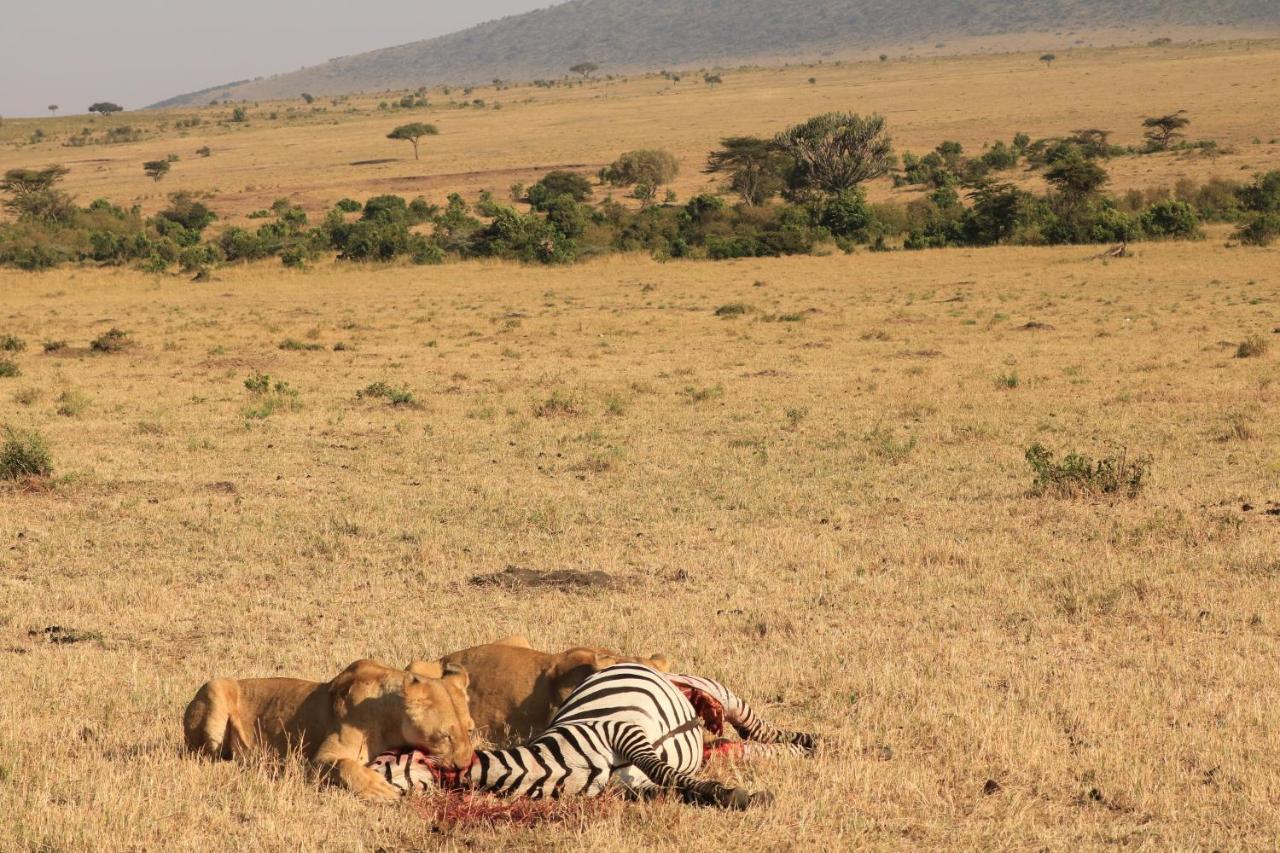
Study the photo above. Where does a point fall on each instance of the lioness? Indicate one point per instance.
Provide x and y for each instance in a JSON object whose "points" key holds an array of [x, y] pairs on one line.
{"points": [[340, 725], [515, 689]]}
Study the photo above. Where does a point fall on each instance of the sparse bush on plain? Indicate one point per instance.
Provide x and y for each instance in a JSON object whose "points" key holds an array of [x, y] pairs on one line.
{"points": [[559, 404], [295, 345], [270, 397], [393, 395], [10, 343], [71, 404], [112, 340], [1080, 476], [24, 454], [1252, 347], [9, 369]]}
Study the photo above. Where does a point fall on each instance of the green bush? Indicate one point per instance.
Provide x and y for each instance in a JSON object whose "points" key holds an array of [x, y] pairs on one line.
{"points": [[10, 343], [650, 166], [1170, 219], [1078, 475], [112, 340], [556, 184], [24, 454], [1261, 230]]}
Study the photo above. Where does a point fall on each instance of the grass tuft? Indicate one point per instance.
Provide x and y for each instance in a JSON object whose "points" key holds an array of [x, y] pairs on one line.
{"points": [[1080, 476], [24, 455], [381, 390], [112, 340], [1252, 347]]}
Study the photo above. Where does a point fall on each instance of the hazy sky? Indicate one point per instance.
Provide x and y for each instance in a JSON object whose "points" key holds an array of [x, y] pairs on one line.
{"points": [[137, 52]]}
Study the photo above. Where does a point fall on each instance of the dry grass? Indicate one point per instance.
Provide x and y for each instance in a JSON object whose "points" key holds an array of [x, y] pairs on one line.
{"points": [[994, 669], [831, 515]]}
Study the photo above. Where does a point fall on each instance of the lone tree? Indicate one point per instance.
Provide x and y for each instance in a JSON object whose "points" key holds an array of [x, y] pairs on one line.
{"points": [[586, 69], [1163, 130], [156, 169], [308, 97], [1048, 59], [756, 167], [413, 132], [53, 108], [105, 108], [835, 152]]}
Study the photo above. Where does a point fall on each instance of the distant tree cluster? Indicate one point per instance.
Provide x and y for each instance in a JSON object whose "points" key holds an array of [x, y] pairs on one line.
{"points": [[798, 190]]}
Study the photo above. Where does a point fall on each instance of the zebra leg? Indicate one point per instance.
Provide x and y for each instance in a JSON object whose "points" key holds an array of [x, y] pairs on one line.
{"points": [[632, 744], [752, 728]]}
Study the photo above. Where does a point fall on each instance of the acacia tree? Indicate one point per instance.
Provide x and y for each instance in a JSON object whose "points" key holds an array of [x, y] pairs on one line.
{"points": [[1048, 59], [1163, 130], [755, 167], [835, 152], [586, 69], [1076, 177], [412, 133], [105, 108], [33, 195], [53, 108], [156, 169]]}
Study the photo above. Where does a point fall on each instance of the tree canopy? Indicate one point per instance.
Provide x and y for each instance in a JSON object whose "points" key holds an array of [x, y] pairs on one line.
{"points": [[105, 108], [835, 152], [412, 133]]}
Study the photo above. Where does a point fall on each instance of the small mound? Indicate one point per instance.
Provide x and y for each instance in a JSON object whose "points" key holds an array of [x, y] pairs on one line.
{"points": [[515, 577]]}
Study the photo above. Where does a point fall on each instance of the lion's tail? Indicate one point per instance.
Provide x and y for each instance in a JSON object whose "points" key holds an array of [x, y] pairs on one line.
{"points": [[212, 720]]}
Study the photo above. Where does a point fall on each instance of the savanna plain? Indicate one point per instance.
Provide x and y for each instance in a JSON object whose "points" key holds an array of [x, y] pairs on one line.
{"points": [[805, 476]]}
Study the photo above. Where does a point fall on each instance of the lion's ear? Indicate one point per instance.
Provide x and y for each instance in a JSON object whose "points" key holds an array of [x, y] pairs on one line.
{"points": [[574, 667], [341, 687], [660, 663], [426, 669], [457, 675], [516, 641]]}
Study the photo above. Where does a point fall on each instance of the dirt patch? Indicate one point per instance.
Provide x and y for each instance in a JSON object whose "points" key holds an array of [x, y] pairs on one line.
{"points": [[1035, 326], [515, 577], [64, 636]]}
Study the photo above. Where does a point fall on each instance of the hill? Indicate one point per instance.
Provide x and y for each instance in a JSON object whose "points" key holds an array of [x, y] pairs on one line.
{"points": [[621, 35]]}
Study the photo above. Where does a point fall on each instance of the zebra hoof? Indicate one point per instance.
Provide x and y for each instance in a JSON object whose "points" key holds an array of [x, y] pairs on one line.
{"points": [[737, 799]]}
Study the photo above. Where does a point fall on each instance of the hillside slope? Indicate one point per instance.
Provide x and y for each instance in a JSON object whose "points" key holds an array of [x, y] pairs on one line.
{"points": [[651, 34]]}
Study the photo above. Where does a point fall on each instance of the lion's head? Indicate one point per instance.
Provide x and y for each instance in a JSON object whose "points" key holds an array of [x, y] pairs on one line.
{"points": [[426, 713]]}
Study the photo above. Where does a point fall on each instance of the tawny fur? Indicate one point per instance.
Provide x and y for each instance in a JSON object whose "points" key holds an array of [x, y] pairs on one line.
{"points": [[515, 690], [338, 726]]}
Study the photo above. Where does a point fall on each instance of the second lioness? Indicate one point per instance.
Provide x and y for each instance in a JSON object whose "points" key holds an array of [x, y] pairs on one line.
{"points": [[515, 690]]}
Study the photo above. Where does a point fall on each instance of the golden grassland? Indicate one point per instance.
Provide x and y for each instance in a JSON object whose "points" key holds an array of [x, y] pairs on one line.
{"points": [[822, 501], [1229, 89]]}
